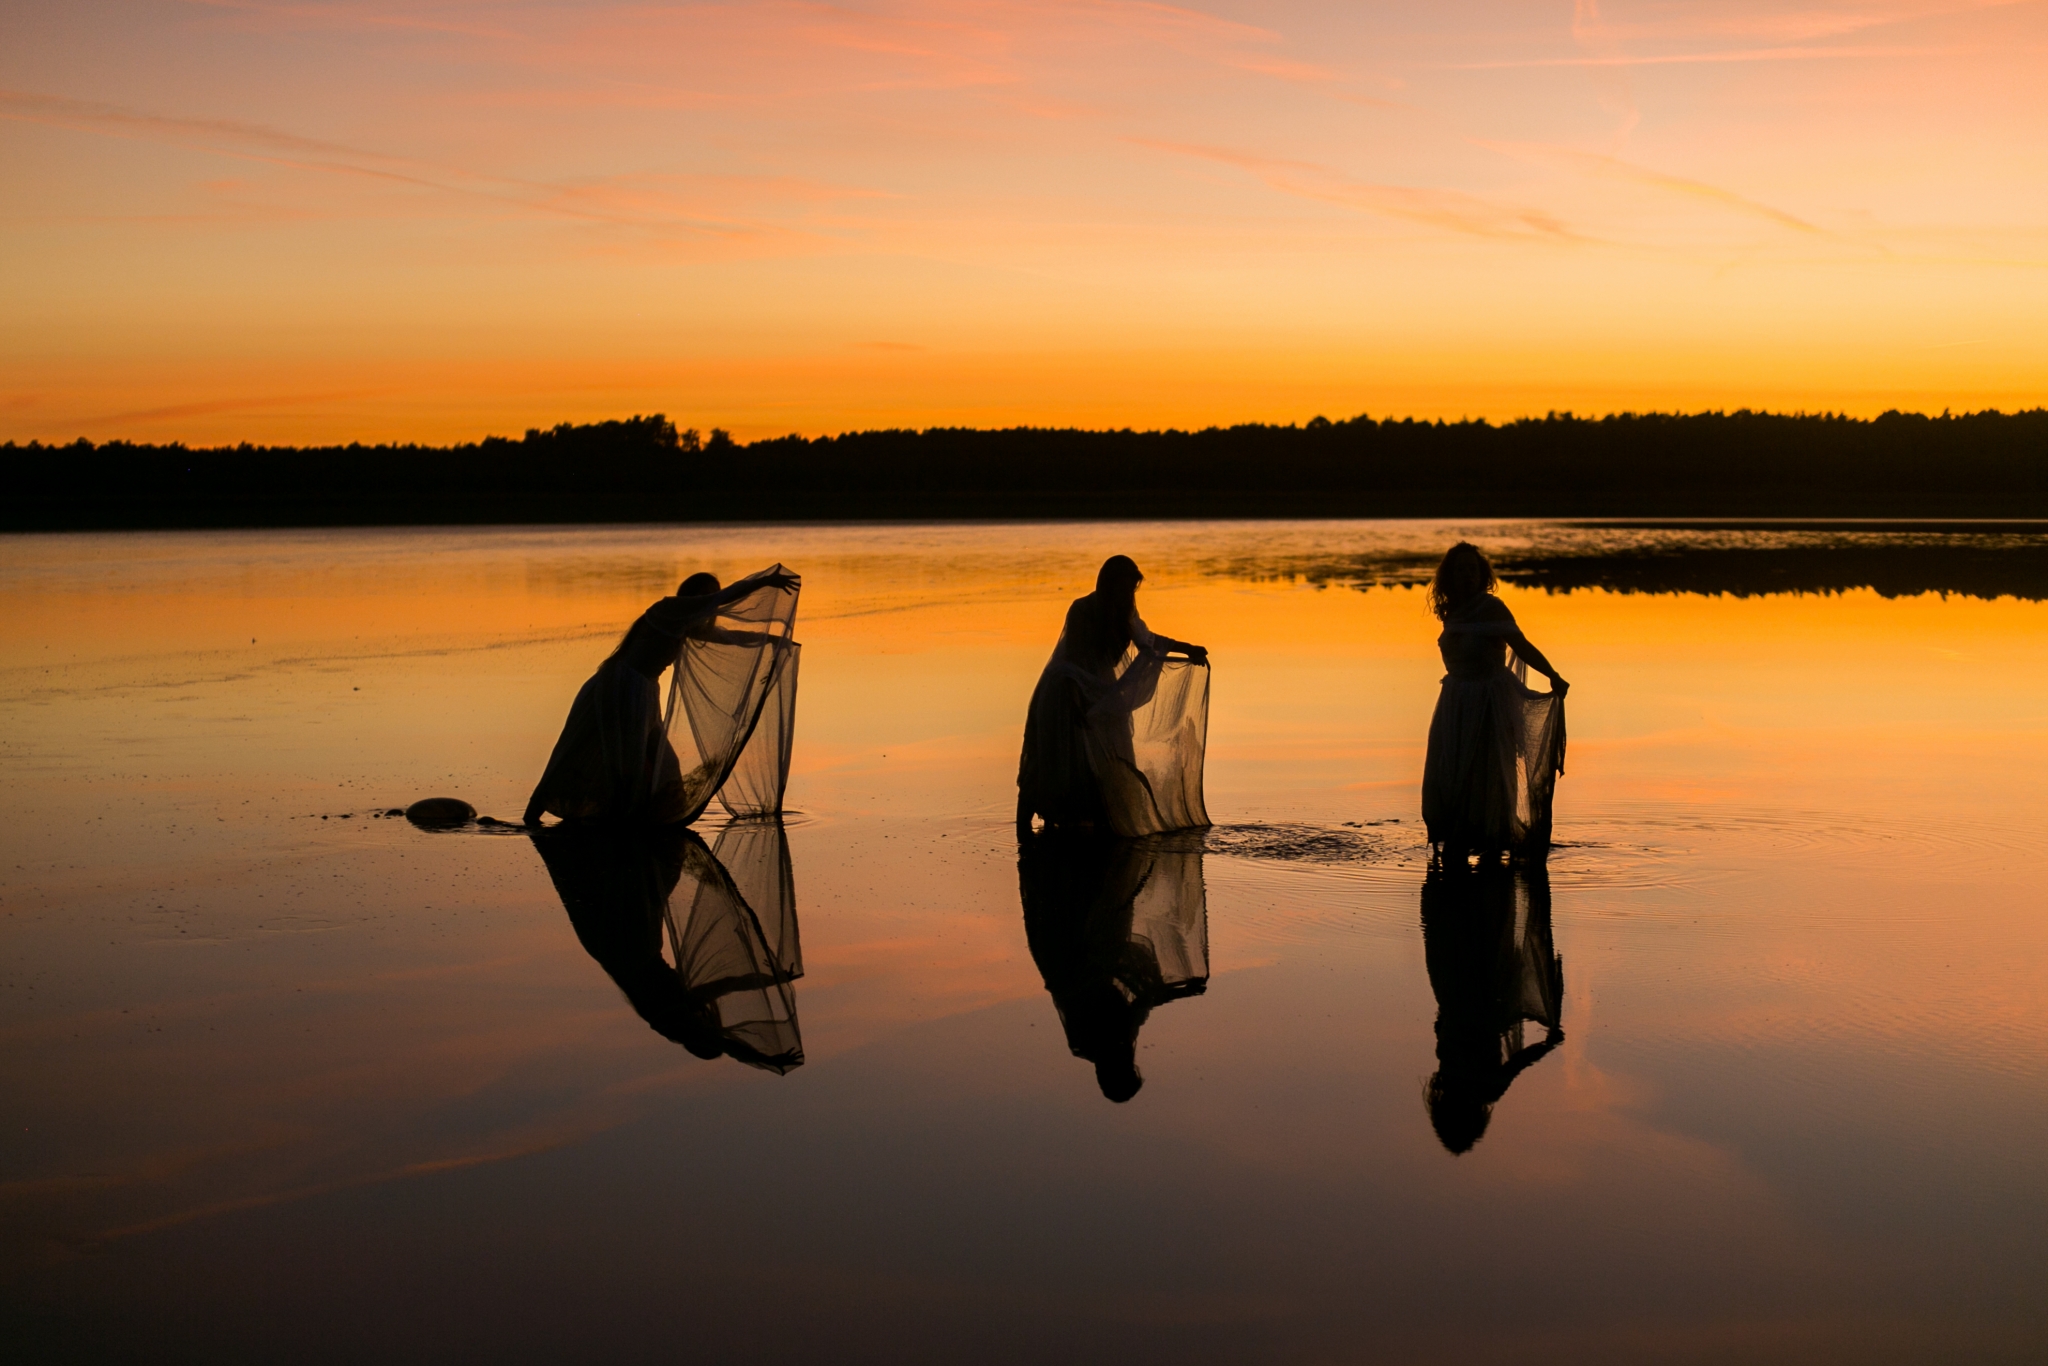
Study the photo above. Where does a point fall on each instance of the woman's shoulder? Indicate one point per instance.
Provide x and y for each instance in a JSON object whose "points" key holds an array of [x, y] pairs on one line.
{"points": [[1484, 610]]}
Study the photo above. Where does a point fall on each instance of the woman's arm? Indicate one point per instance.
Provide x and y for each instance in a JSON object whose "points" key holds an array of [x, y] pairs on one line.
{"points": [[1164, 645], [720, 636], [1519, 643], [536, 804], [733, 592], [678, 615]]}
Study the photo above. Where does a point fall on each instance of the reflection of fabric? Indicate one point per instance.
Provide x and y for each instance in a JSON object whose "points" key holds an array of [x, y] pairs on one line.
{"points": [[1117, 927], [1115, 733], [620, 759], [1496, 746], [728, 990], [1486, 940]]}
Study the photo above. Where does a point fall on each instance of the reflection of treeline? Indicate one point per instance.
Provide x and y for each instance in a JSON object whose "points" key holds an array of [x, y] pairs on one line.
{"points": [[1979, 567], [643, 469]]}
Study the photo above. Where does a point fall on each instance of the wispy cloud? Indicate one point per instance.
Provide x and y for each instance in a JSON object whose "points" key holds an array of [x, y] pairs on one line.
{"points": [[642, 203], [345, 17], [1760, 54], [1447, 210], [1596, 163]]}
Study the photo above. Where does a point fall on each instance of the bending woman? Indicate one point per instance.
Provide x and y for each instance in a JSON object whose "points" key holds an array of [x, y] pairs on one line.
{"points": [[1116, 729], [614, 761], [1496, 746]]}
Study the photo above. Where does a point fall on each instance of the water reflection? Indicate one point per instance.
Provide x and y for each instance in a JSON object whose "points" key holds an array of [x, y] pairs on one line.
{"points": [[1982, 560], [1116, 927], [1486, 938], [727, 915]]}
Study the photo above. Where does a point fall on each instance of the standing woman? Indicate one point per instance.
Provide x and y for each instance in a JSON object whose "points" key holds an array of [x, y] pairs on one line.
{"points": [[1116, 729], [615, 761], [1496, 746]]}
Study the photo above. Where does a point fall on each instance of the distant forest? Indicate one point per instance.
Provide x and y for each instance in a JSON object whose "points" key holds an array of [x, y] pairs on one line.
{"points": [[642, 469]]}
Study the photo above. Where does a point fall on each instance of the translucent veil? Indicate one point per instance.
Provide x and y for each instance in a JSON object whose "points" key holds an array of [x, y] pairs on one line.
{"points": [[1537, 742], [1168, 945], [1146, 737], [731, 713], [735, 942], [702, 941]]}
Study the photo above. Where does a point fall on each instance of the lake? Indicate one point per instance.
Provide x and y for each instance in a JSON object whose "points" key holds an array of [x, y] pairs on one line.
{"points": [[288, 1078]]}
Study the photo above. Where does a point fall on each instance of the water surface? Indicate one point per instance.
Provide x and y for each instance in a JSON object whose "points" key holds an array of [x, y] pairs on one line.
{"points": [[283, 1077]]}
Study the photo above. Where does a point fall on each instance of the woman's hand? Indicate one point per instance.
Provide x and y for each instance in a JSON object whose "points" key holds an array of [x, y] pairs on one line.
{"points": [[1197, 654], [781, 578], [1559, 686]]}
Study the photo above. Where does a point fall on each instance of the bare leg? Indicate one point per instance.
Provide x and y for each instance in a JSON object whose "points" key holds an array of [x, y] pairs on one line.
{"points": [[1023, 814]]}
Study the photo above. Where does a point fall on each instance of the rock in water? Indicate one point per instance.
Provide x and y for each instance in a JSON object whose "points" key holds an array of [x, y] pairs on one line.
{"points": [[440, 813]]}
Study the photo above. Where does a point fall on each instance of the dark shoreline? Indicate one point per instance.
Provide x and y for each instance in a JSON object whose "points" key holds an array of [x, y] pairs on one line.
{"points": [[1747, 470]]}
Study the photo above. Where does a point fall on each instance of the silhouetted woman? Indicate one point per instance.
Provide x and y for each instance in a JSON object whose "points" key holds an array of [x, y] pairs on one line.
{"points": [[1116, 729], [615, 761], [1495, 745]]}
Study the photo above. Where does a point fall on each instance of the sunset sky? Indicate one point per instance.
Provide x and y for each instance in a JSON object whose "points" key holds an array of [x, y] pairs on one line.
{"points": [[312, 221]]}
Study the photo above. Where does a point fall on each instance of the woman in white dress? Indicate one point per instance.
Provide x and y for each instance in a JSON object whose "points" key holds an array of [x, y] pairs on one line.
{"points": [[732, 699], [1496, 746], [1116, 729]]}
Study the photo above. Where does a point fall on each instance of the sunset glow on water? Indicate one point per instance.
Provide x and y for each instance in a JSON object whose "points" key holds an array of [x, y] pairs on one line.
{"points": [[287, 1078]]}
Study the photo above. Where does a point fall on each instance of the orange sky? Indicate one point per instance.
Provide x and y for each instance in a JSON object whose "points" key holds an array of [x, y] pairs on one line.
{"points": [[228, 219]]}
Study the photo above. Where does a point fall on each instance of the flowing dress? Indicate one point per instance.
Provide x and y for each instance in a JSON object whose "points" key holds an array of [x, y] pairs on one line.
{"points": [[726, 732], [1115, 733], [1496, 746]]}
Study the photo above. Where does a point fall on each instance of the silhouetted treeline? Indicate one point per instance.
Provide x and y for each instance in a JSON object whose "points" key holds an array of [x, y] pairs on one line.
{"points": [[644, 470]]}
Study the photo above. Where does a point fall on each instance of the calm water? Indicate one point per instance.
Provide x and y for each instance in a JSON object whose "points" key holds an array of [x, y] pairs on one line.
{"points": [[284, 1079]]}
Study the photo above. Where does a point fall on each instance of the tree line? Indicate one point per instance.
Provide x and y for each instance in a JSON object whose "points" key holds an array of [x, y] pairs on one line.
{"points": [[643, 469]]}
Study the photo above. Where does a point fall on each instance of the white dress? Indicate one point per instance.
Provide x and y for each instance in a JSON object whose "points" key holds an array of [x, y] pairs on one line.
{"points": [[1116, 731], [1496, 745]]}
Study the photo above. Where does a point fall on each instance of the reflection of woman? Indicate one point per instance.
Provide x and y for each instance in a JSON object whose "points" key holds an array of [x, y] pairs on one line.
{"points": [[728, 991], [614, 761], [1492, 970], [1116, 928], [1115, 732], [1495, 745]]}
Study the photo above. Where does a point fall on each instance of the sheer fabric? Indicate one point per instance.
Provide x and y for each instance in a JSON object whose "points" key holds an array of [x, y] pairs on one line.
{"points": [[1116, 733], [1496, 745], [737, 955], [1117, 928], [726, 916], [726, 732], [731, 714], [1487, 942]]}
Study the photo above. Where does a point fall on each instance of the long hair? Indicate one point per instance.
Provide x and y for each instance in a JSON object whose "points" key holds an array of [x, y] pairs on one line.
{"points": [[1116, 584], [1463, 576]]}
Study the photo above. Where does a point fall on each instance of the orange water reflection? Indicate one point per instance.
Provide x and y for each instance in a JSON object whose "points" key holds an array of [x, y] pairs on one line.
{"points": [[1796, 910]]}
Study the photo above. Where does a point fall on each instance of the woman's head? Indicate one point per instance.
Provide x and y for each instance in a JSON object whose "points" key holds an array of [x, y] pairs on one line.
{"points": [[1116, 585], [1120, 575], [1463, 576], [1118, 1078], [1458, 1117], [698, 585]]}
